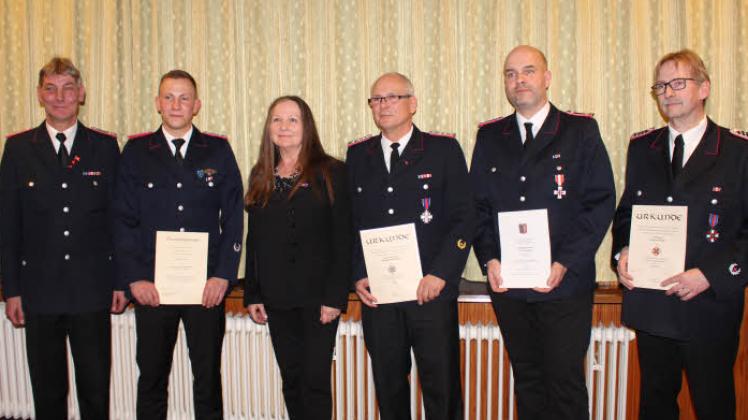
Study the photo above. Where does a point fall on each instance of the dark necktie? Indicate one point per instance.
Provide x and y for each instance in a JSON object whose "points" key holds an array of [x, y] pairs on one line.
{"points": [[676, 164], [528, 134], [395, 155], [62, 152], [178, 153]]}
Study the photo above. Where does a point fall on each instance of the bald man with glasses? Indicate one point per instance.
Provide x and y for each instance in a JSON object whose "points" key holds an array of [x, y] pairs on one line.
{"points": [[407, 176]]}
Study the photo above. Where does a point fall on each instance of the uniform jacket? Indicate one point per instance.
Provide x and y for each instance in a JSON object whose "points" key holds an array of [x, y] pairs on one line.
{"points": [[566, 159], [155, 193], [56, 223], [713, 184], [431, 167], [299, 249]]}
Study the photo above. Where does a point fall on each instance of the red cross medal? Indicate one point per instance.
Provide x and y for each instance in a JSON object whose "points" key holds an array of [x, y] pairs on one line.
{"points": [[712, 235], [426, 216], [559, 192]]}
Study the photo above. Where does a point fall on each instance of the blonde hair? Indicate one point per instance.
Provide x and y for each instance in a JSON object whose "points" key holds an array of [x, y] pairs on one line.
{"points": [[59, 66], [689, 58]]}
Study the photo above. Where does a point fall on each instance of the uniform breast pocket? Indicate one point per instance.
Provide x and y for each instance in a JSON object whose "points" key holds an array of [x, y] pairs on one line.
{"points": [[95, 191], [207, 188], [153, 192], [36, 195]]}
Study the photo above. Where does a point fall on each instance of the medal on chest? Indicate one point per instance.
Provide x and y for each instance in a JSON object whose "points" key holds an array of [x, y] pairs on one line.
{"points": [[712, 234], [426, 216], [559, 192]]}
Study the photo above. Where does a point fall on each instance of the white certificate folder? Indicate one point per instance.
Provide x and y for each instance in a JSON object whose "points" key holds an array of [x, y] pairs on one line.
{"points": [[181, 267], [657, 244], [525, 248], [393, 263]]}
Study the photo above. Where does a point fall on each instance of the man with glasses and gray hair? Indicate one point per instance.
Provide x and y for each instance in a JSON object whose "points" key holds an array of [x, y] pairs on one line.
{"points": [[694, 324], [407, 176]]}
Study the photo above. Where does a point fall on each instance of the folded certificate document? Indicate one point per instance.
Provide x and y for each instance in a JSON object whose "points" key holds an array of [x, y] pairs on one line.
{"points": [[181, 267], [393, 263], [525, 248], [657, 244]]}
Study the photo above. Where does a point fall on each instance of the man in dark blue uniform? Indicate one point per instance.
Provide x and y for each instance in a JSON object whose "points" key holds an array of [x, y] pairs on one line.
{"points": [[541, 158], [401, 176], [178, 179], [695, 324], [57, 267]]}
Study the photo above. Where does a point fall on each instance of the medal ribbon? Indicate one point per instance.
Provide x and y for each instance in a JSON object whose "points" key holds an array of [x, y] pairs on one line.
{"points": [[426, 203]]}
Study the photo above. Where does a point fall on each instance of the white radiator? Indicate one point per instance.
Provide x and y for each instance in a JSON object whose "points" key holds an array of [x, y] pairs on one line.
{"points": [[252, 385]]}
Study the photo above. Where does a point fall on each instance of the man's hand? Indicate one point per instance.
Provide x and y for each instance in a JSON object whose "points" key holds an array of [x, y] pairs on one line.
{"points": [[493, 272], [623, 269], [687, 284], [14, 311], [214, 290], [328, 314], [429, 288], [119, 301], [257, 313], [362, 290], [144, 292], [554, 279]]}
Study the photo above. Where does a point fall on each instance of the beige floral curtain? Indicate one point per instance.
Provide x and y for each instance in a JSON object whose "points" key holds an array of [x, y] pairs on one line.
{"points": [[244, 53]]}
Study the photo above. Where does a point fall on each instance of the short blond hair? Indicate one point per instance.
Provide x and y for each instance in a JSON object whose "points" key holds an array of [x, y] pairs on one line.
{"points": [[59, 66], [689, 58]]}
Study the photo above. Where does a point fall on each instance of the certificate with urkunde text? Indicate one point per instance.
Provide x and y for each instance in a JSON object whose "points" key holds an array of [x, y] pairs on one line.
{"points": [[393, 263], [525, 248], [657, 244], [181, 267]]}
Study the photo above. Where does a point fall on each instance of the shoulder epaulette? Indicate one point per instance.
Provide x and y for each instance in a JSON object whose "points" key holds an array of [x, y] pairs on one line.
{"points": [[18, 133], [740, 133], [360, 140], [220, 136], [491, 121], [104, 132], [139, 135], [641, 134], [441, 134], [581, 114]]}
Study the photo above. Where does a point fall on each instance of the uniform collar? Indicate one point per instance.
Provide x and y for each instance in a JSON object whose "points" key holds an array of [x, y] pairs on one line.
{"points": [[387, 150], [69, 133], [169, 137], [537, 120]]}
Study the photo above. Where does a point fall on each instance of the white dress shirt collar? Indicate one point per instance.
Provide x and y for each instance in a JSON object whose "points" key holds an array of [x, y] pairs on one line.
{"points": [[691, 139], [387, 150], [537, 121], [187, 136], [69, 133]]}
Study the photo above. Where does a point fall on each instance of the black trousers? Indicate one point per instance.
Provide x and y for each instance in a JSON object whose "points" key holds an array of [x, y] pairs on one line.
{"points": [[157, 329], [547, 343], [432, 331], [46, 350], [709, 369], [303, 348]]}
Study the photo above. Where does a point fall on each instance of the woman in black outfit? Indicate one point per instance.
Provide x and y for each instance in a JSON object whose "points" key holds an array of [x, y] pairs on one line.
{"points": [[298, 253]]}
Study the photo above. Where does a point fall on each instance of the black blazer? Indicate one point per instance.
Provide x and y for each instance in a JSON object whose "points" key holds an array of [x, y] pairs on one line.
{"points": [[568, 151], [714, 181], [299, 249], [154, 193], [55, 223], [431, 172]]}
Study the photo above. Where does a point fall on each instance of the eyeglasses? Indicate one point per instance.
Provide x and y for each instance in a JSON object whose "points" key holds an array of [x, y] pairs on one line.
{"points": [[675, 84], [389, 99]]}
